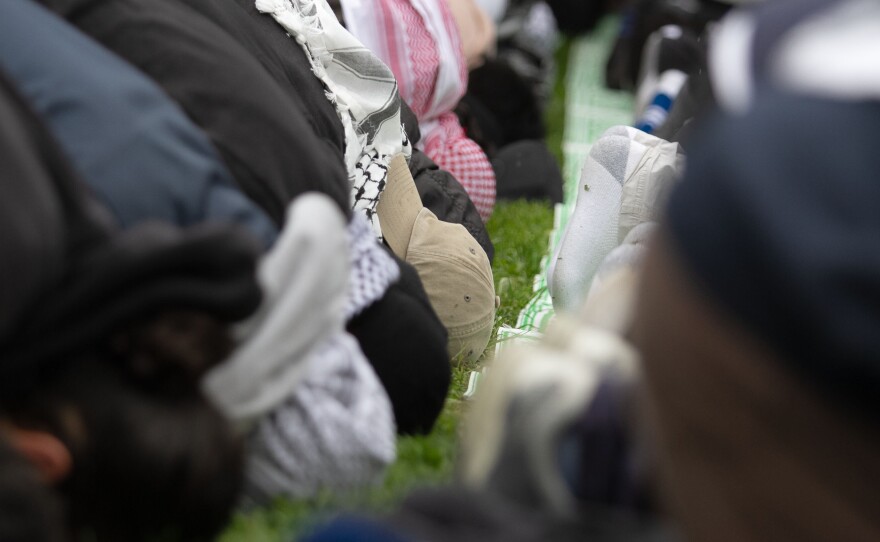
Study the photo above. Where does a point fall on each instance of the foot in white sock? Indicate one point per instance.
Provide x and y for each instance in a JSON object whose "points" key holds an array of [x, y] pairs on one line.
{"points": [[625, 177]]}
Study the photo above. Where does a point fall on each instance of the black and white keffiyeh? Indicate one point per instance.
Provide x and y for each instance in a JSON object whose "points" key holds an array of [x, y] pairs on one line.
{"points": [[304, 279], [360, 86], [335, 431], [371, 269]]}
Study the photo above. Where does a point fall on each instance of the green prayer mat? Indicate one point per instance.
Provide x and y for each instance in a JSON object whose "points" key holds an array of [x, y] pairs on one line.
{"points": [[590, 109]]}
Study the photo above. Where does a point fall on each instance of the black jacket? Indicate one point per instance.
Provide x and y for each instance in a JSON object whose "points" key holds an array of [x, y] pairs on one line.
{"points": [[285, 60]]}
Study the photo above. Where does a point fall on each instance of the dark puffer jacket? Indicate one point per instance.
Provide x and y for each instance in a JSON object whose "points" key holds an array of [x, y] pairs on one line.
{"points": [[261, 132], [134, 147]]}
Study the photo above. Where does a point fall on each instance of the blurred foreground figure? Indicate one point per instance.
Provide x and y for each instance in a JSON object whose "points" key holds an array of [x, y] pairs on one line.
{"points": [[103, 338], [758, 327]]}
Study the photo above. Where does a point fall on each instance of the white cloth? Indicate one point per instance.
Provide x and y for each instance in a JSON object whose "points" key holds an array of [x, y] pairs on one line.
{"points": [[304, 279], [611, 301], [360, 86], [625, 179], [316, 414]]}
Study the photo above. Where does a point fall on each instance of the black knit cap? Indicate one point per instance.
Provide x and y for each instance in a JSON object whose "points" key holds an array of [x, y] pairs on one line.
{"points": [[406, 343], [778, 217], [69, 279]]}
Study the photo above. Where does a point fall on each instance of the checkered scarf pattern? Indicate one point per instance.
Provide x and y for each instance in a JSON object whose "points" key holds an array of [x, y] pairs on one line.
{"points": [[419, 41], [361, 88], [335, 431], [372, 270], [453, 151]]}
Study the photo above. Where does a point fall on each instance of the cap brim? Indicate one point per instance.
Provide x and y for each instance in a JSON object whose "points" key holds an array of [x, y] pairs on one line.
{"points": [[399, 206]]}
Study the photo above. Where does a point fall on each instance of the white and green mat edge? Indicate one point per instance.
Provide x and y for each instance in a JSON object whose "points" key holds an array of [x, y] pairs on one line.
{"points": [[590, 109]]}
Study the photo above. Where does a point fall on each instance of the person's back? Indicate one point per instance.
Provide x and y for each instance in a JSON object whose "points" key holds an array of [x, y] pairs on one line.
{"points": [[261, 133], [285, 61], [136, 150], [275, 155], [103, 336], [758, 323], [291, 68]]}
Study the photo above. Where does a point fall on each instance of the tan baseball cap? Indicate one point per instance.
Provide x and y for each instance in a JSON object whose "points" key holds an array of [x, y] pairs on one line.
{"points": [[453, 267]]}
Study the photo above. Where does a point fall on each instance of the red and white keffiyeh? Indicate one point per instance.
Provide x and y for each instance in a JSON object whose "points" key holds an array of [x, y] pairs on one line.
{"points": [[419, 41]]}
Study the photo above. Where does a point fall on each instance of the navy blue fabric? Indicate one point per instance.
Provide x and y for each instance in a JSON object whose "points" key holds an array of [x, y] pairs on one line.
{"points": [[256, 126], [136, 150], [70, 279], [354, 529], [607, 472], [778, 218], [456, 514]]}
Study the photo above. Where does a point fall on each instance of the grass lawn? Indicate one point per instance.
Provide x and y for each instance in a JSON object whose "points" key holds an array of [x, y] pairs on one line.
{"points": [[519, 231]]}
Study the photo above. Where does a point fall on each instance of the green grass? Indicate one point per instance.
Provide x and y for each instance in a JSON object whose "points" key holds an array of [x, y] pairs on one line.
{"points": [[554, 115], [519, 231]]}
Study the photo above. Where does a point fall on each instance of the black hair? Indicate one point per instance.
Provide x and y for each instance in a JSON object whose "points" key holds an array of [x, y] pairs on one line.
{"points": [[504, 106], [152, 458]]}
